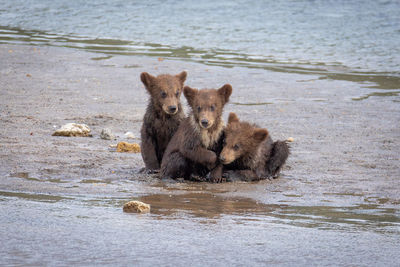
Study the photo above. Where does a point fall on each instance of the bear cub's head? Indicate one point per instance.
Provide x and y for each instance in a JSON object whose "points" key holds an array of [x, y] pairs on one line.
{"points": [[165, 90], [241, 139], [207, 104]]}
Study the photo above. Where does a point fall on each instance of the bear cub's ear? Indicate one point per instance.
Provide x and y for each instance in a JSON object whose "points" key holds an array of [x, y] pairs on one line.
{"points": [[225, 92], [190, 94], [232, 118], [260, 134], [181, 76], [147, 79]]}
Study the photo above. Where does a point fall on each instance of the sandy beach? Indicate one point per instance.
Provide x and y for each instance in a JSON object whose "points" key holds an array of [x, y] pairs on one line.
{"points": [[336, 200]]}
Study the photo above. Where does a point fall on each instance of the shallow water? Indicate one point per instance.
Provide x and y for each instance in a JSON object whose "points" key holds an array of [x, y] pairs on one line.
{"points": [[344, 40], [192, 228]]}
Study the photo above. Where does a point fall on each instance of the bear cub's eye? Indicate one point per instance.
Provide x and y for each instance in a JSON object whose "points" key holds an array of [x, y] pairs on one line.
{"points": [[177, 93], [236, 147], [198, 109], [212, 107], [163, 94]]}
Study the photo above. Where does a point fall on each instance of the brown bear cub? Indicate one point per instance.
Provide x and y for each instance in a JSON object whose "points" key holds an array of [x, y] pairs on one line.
{"points": [[194, 148], [163, 115], [250, 151]]}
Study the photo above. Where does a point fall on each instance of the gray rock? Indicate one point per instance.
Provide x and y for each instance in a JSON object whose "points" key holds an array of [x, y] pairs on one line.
{"points": [[106, 134]]}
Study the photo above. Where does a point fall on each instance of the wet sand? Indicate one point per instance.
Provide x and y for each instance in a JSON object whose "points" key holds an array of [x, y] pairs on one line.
{"points": [[336, 201]]}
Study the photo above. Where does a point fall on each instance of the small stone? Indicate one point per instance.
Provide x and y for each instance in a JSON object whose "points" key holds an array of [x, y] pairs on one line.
{"points": [[73, 129], [129, 135], [290, 139], [136, 206], [106, 134], [127, 147]]}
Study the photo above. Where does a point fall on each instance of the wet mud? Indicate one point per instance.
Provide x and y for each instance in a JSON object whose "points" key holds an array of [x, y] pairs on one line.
{"points": [[336, 201]]}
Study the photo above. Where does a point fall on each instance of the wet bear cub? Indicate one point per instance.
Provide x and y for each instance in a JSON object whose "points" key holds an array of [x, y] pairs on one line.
{"points": [[195, 147], [163, 115], [250, 151]]}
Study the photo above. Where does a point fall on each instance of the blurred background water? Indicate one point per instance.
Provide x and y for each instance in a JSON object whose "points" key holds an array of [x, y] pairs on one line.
{"points": [[341, 37]]}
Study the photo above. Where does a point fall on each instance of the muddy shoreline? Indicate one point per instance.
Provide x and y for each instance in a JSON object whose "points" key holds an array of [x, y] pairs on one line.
{"points": [[344, 162], [341, 145]]}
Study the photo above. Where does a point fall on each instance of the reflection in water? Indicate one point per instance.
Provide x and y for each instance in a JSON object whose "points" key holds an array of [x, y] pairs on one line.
{"points": [[203, 205], [212, 206], [79, 232], [33, 197], [101, 58], [196, 203], [395, 93], [24, 175]]}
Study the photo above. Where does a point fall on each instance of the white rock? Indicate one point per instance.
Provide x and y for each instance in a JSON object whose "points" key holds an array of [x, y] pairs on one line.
{"points": [[129, 135], [73, 129]]}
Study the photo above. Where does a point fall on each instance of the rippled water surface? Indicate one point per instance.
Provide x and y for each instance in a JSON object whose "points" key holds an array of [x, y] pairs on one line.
{"points": [[192, 228], [340, 37]]}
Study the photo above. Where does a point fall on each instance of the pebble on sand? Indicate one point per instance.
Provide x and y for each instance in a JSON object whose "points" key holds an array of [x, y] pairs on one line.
{"points": [[136, 206], [127, 147], [73, 129], [129, 135], [106, 134]]}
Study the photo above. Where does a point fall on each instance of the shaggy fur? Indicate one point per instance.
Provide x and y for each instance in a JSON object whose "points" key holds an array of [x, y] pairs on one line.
{"points": [[198, 141], [250, 151], [163, 115]]}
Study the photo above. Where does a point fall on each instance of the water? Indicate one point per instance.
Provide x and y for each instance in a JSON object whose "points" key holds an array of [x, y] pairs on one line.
{"points": [[191, 228], [359, 39]]}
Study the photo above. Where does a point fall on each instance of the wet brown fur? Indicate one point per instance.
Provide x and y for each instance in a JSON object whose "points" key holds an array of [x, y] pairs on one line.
{"points": [[160, 121], [250, 151], [195, 146]]}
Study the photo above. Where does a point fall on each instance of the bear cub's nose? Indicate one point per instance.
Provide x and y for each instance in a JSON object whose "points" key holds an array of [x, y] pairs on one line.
{"points": [[204, 122], [172, 109]]}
